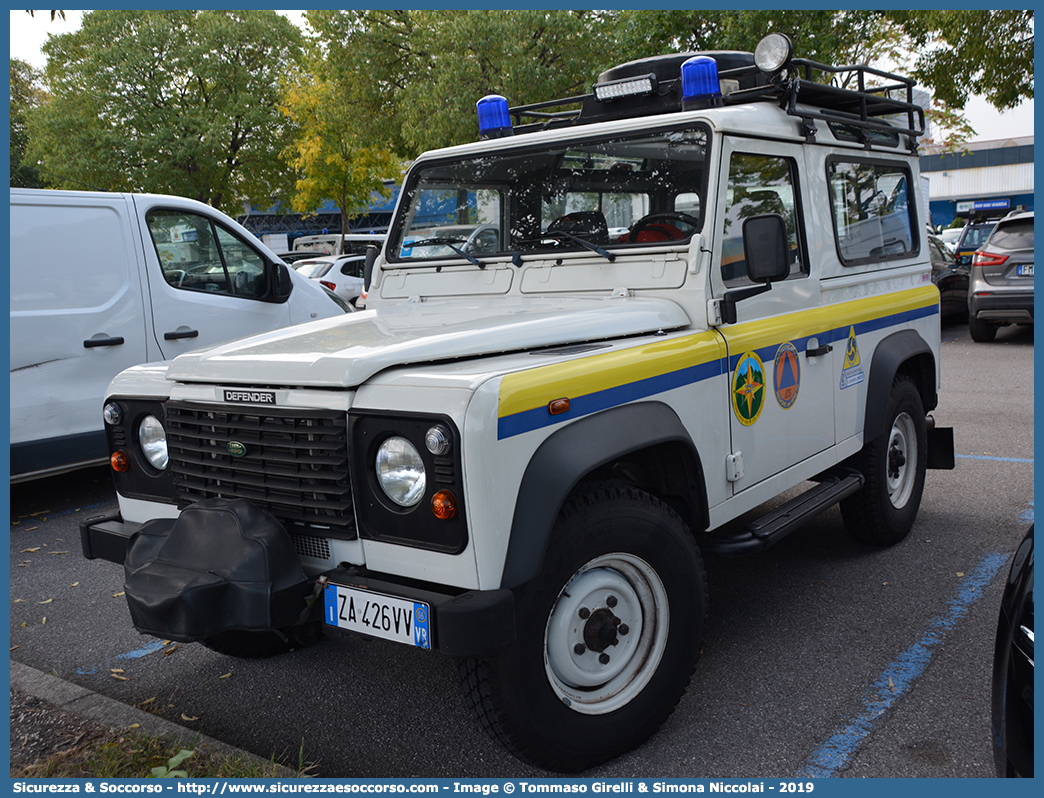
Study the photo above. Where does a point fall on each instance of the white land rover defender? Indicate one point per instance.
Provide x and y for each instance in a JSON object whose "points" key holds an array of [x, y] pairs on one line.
{"points": [[591, 342]]}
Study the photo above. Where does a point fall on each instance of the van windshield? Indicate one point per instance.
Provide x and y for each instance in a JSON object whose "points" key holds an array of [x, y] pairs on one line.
{"points": [[642, 189]]}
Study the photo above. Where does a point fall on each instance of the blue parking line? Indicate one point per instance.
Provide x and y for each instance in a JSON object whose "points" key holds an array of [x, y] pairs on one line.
{"points": [[898, 677], [997, 459], [137, 653]]}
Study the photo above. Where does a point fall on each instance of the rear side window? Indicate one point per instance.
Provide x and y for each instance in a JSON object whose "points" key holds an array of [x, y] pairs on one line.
{"points": [[874, 215], [1013, 235]]}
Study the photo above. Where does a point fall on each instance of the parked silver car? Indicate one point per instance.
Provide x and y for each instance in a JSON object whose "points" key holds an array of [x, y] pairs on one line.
{"points": [[1000, 289]]}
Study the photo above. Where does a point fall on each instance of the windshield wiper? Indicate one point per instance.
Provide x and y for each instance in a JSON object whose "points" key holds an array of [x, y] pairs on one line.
{"points": [[447, 242], [560, 234]]}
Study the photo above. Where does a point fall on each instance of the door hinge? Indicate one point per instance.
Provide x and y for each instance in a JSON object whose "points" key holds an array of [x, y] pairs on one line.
{"points": [[713, 312], [734, 467]]}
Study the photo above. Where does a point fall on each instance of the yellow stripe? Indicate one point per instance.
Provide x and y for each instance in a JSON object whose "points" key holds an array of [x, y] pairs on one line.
{"points": [[537, 387]]}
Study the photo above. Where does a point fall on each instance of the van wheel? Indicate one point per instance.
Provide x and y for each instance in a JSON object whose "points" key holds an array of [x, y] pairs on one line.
{"points": [[607, 635], [893, 466], [260, 645], [981, 331]]}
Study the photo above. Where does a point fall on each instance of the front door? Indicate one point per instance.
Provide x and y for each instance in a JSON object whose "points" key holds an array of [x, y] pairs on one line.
{"points": [[780, 379]]}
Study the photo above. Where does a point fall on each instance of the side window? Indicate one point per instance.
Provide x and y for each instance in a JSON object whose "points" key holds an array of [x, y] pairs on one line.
{"points": [[197, 254], [758, 184], [873, 215]]}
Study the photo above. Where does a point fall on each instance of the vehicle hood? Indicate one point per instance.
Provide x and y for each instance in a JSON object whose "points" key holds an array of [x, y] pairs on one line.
{"points": [[346, 351]]}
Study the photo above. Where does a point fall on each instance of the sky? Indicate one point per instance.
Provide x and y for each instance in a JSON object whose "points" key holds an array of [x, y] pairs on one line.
{"points": [[29, 33]]}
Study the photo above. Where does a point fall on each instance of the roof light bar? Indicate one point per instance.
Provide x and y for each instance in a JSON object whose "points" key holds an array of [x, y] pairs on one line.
{"points": [[626, 87], [493, 117]]}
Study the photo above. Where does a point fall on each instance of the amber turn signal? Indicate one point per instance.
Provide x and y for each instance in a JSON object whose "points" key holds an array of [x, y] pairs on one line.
{"points": [[119, 461], [558, 406], [443, 505]]}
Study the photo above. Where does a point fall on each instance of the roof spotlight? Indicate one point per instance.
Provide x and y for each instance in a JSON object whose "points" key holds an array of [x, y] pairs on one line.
{"points": [[773, 53]]}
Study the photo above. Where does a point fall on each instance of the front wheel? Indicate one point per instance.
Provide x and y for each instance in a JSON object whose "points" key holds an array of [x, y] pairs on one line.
{"points": [[893, 466], [608, 635]]}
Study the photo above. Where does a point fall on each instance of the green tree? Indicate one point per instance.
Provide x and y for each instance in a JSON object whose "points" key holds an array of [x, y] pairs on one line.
{"points": [[25, 96], [415, 76], [983, 52], [180, 102], [329, 156]]}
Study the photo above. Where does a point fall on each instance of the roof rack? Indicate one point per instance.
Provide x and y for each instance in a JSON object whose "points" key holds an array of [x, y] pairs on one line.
{"points": [[863, 107]]}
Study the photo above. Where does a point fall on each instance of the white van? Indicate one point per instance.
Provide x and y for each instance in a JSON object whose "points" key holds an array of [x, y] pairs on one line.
{"points": [[101, 282]]}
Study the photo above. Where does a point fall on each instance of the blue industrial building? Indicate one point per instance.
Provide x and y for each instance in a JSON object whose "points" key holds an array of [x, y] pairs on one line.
{"points": [[988, 178]]}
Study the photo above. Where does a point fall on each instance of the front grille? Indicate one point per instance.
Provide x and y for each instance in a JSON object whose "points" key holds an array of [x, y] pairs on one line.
{"points": [[291, 463]]}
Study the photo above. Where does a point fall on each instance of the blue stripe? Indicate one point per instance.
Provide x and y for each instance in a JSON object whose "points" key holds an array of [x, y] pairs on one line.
{"points": [[898, 677], [539, 417]]}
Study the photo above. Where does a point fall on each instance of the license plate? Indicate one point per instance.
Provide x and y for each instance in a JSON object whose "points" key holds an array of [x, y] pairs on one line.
{"points": [[1025, 270], [378, 615]]}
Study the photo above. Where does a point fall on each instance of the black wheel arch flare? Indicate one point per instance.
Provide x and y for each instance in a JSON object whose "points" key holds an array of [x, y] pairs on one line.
{"points": [[904, 351], [576, 451]]}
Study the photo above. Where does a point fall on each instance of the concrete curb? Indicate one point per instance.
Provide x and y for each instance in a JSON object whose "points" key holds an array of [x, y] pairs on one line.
{"points": [[109, 712]]}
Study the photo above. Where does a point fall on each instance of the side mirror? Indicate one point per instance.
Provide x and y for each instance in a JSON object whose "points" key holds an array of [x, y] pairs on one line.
{"points": [[282, 285], [767, 255], [765, 248], [371, 257]]}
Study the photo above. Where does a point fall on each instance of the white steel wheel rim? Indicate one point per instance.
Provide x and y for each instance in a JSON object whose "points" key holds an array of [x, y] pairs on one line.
{"points": [[618, 590], [901, 460]]}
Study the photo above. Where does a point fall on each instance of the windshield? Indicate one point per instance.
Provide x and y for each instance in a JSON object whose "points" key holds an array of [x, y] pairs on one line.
{"points": [[644, 188]]}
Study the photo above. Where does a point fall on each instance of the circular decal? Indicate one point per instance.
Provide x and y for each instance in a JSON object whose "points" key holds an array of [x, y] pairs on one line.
{"points": [[786, 372], [748, 388], [235, 448]]}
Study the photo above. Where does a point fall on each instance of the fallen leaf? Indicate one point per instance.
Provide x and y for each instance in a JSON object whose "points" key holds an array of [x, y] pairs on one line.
{"points": [[117, 595], [44, 620], [74, 584], [960, 573], [117, 670], [134, 726], [226, 676], [39, 512], [33, 529], [18, 601], [30, 551], [186, 717], [170, 651], [48, 601], [24, 564], [57, 552], [117, 676], [147, 701], [14, 647], [23, 624], [891, 684]]}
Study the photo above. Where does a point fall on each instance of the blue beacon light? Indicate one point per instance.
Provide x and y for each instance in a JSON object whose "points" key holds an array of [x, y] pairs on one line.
{"points": [[493, 117], [700, 86]]}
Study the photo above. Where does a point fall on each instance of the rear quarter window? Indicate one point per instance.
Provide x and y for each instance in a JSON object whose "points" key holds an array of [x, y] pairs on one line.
{"points": [[873, 210], [1013, 235]]}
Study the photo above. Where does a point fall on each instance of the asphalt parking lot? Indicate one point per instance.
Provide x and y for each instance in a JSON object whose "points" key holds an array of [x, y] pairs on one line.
{"points": [[822, 656]]}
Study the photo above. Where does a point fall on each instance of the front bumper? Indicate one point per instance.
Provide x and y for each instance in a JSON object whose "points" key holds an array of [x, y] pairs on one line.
{"points": [[465, 623]]}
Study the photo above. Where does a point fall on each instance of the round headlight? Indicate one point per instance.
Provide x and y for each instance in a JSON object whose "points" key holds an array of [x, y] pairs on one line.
{"points": [[153, 441], [400, 472]]}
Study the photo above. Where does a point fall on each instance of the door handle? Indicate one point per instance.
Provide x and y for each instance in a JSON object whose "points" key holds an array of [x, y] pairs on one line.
{"points": [[90, 343], [173, 336], [819, 350]]}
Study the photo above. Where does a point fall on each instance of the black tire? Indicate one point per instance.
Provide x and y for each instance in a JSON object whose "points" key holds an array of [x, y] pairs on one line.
{"points": [[981, 331], [261, 645], [893, 465], [609, 541]]}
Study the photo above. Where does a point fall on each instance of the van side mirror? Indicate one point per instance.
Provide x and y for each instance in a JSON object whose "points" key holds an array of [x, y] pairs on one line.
{"points": [[371, 258], [282, 285]]}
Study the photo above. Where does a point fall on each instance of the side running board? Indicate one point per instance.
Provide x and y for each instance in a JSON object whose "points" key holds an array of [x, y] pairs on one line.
{"points": [[758, 535]]}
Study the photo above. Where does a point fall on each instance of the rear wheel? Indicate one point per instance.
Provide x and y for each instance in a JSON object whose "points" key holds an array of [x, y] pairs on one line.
{"points": [[981, 331], [607, 635], [893, 466]]}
